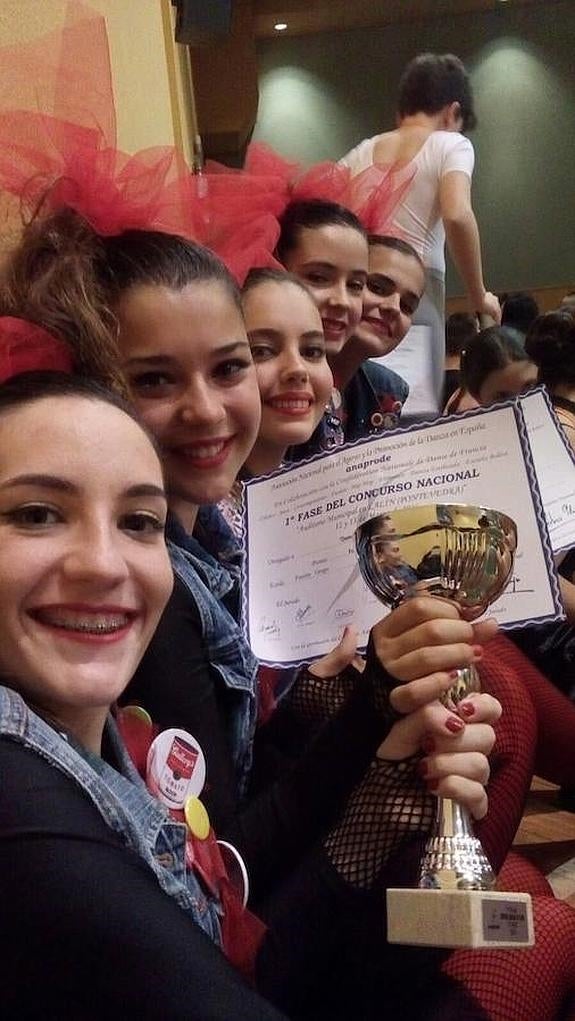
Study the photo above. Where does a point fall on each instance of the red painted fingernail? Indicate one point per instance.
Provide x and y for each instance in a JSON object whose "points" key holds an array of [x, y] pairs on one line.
{"points": [[454, 725], [432, 785], [467, 709], [453, 675], [428, 745], [422, 769], [477, 651]]}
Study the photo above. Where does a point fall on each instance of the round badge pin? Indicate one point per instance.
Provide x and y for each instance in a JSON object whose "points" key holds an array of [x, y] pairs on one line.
{"points": [[176, 767], [197, 818], [236, 869], [139, 713]]}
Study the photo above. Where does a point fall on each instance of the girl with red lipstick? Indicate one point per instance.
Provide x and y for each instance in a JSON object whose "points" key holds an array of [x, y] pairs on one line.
{"points": [[98, 906], [288, 346]]}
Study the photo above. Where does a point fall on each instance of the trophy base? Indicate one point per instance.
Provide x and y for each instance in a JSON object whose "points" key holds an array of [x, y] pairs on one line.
{"points": [[460, 918]]}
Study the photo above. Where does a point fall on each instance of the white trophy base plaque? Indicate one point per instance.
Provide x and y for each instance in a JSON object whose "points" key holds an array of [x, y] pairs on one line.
{"points": [[460, 918]]}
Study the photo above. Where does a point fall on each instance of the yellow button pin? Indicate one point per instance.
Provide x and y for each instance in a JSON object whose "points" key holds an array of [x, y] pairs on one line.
{"points": [[197, 818]]}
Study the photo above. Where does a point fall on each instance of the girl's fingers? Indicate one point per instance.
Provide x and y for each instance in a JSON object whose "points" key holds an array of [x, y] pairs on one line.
{"points": [[407, 698], [433, 659], [441, 631], [426, 635], [406, 736], [485, 630], [435, 730], [474, 737], [339, 658], [479, 707], [469, 765], [468, 793], [416, 611]]}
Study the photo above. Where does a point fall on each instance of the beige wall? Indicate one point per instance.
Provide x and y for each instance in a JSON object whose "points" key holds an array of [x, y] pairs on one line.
{"points": [[153, 105]]}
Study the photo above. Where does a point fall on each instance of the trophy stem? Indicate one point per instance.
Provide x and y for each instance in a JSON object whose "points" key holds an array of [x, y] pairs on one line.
{"points": [[453, 858]]}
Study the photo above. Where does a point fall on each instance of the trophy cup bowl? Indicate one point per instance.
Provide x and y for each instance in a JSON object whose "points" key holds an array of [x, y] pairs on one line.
{"points": [[465, 554]]}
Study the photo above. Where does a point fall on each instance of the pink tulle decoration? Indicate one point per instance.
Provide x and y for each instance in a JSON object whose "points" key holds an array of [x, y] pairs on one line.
{"points": [[241, 209], [27, 347], [58, 137], [58, 148]]}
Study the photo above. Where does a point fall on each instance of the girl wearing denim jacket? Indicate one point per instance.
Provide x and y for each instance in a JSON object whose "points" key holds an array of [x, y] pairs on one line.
{"points": [[101, 910]]}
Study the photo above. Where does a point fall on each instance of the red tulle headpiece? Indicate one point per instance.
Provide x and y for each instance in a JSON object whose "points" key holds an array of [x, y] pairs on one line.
{"points": [[241, 208], [58, 148], [26, 347]]}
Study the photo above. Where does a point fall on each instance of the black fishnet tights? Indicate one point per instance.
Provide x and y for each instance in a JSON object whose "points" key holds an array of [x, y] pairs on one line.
{"points": [[317, 699], [389, 806]]}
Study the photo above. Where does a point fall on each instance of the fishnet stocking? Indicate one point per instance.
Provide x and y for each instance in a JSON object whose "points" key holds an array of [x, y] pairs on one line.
{"points": [[519, 875], [525, 985], [317, 699], [554, 759], [387, 807], [513, 756]]}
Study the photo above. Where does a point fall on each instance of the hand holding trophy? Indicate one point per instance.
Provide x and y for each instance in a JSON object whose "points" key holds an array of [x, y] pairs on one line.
{"points": [[464, 554]]}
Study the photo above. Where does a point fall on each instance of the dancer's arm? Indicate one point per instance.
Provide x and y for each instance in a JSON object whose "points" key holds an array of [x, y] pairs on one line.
{"points": [[462, 234]]}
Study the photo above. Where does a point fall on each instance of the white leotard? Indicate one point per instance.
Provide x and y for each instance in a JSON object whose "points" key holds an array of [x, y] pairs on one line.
{"points": [[417, 217]]}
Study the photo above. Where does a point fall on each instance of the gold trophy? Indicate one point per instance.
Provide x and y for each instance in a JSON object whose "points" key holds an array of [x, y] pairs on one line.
{"points": [[465, 554]]}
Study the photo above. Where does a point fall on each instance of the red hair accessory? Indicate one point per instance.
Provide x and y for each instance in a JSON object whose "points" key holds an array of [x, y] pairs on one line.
{"points": [[58, 137], [58, 149], [26, 347], [241, 208]]}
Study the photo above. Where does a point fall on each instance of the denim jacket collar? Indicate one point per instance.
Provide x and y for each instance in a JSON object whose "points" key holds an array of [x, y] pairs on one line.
{"points": [[122, 800]]}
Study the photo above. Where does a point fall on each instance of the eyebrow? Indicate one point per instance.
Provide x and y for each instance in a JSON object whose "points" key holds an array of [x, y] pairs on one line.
{"points": [[267, 333], [318, 264], [65, 486], [389, 280], [225, 349]]}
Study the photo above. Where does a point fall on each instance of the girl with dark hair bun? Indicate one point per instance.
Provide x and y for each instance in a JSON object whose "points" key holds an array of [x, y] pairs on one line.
{"points": [[325, 245], [435, 108], [496, 366], [550, 342]]}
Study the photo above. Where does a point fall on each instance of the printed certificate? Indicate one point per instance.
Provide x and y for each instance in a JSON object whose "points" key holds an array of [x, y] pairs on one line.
{"points": [[302, 583], [554, 463]]}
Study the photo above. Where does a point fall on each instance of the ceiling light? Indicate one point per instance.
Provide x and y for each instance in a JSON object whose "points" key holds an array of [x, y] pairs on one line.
{"points": [[280, 26]]}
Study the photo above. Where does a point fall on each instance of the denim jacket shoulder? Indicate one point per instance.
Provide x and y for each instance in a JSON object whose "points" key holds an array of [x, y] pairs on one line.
{"points": [[124, 803], [373, 401], [207, 582]]}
